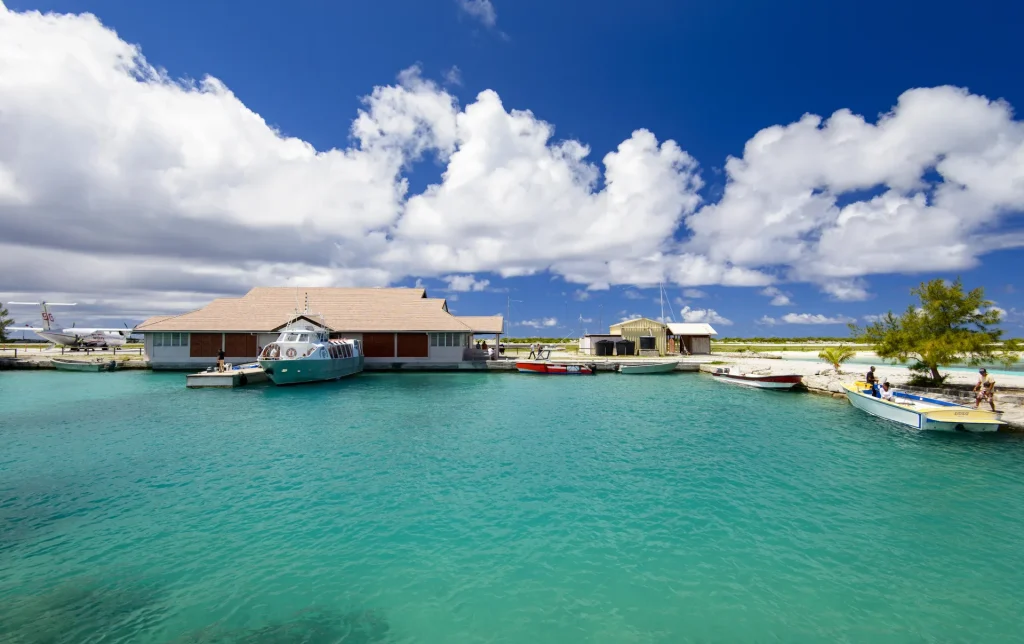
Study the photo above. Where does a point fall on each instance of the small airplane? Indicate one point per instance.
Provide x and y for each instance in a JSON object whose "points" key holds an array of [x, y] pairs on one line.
{"points": [[74, 338]]}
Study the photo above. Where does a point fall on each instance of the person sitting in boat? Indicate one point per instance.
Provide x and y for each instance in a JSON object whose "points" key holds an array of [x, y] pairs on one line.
{"points": [[872, 382], [985, 389], [888, 393]]}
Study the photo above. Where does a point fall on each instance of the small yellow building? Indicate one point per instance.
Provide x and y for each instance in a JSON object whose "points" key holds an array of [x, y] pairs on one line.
{"points": [[650, 337]]}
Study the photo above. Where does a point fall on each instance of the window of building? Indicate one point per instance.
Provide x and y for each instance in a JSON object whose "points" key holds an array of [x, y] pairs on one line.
{"points": [[648, 342], [449, 339]]}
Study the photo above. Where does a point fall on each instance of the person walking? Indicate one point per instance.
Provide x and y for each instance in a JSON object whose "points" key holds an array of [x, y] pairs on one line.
{"points": [[220, 360], [985, 389]]}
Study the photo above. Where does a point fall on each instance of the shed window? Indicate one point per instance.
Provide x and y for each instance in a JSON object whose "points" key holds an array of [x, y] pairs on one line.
{"points": [[648, 342]]}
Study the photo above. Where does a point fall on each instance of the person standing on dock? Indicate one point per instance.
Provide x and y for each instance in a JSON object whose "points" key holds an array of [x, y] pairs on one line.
{"points": [[872, 382], [985, 389], [220, 360]]}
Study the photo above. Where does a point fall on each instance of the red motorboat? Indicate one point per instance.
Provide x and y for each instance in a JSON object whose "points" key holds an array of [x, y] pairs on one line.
{"points": [[556, 369], [760, 381]]}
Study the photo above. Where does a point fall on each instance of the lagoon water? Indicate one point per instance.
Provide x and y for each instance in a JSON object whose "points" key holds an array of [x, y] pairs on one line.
{"points": [[456, 508]]}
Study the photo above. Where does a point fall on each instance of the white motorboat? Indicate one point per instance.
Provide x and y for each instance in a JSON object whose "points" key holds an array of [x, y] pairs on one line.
{"points": [[926, 414], [759, 380]]}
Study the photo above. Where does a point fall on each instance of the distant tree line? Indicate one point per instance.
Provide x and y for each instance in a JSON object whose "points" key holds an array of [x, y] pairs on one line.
{"points": [[763, 340]]}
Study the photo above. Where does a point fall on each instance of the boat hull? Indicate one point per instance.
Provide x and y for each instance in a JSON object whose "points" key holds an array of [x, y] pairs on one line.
{"points": [[761, 382], [950, 418], [555, 369], [305, 370], [82, 366], [640, 369]]}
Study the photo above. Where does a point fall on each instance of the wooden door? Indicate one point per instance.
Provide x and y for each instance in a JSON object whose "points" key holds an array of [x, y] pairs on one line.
{"points": [[204, 345], [413, 345], [240, 345], [379, 345]]}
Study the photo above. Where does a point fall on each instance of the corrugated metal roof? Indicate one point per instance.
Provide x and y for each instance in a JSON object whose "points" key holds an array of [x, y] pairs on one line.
{"points": [[483, 323], [343, 309], [691, 328], [631, 321]]}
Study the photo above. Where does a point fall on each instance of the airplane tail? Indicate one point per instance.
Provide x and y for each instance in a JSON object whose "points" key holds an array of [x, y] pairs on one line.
{"points": [[48, 320]]}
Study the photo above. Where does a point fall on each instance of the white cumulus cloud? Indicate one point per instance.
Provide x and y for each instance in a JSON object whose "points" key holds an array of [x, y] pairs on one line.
{"points": [[814, 318], [482, 10], [464, 283], [703, 315], [778, 297], [208, 199], [540, 323]]}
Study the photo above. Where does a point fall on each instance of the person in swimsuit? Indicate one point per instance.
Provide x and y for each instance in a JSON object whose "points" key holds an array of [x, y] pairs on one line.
{"points": [[985, 390], [220, 360]]}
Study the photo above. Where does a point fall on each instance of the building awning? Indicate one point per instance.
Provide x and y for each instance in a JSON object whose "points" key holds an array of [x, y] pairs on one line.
{"points": [[691, 328]]}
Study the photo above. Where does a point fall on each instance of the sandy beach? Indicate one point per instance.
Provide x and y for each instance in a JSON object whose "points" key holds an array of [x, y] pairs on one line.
{"points": [[807, 363]]}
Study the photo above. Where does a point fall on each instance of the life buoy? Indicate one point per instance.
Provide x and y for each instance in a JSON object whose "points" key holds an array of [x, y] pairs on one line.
{"points": [[291, 353]]}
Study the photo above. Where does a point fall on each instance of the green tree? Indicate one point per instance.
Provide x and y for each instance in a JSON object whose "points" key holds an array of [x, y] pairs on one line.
{"points": [[948, 327], [836, 356], [5, 322]]}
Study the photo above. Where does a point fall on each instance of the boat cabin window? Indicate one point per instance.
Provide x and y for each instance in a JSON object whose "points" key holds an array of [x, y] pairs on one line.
{"points": [[290, 337], [303, 337]]}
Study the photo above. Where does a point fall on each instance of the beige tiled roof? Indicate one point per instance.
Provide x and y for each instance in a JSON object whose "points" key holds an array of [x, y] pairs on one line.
{"points": [[484, 323], [343, 309]]}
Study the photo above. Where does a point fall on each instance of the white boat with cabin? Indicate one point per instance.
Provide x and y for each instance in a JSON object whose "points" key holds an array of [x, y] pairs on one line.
{"points": [[925, 414], [305, 353]]}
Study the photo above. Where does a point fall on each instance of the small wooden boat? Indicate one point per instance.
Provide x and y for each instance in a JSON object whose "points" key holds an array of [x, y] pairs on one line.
{"points": [[925, 414], [99, 364], [556, 368], [759, 380], [650, 367]]}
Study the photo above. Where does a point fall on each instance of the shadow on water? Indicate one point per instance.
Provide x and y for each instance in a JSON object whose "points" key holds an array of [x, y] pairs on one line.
{"points": [[80, 610], [310, 626]]}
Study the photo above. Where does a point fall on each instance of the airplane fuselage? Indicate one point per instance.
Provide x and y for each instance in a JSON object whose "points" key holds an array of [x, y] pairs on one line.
{"points": [[83, 338]]}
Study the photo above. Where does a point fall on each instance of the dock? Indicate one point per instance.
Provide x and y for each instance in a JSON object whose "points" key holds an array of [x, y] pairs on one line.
{"points": [[238, 377]]}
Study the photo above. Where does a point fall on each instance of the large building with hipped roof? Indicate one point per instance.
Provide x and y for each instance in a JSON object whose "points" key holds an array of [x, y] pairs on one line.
{"points": [[398, 327]]}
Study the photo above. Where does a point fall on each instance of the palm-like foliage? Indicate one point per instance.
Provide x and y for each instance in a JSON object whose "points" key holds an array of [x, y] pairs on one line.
{"points": [[836, 356], [5, 322], [948, 327]]}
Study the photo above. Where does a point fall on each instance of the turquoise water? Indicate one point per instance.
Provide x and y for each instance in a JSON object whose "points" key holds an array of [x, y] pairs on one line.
{"points": [[494, 508]]}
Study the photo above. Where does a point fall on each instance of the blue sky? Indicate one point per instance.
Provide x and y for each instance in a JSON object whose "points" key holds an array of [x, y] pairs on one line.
{"points": [[708, 76]]}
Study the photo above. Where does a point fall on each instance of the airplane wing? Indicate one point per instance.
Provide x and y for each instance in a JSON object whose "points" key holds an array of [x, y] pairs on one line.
{"points": [[121, 330], [24, 328]]}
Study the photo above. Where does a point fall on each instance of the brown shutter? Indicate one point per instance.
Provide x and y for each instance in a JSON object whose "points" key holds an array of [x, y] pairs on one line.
{"points": [[379, 345], [413, 345], [204, 345], [240, 345]]}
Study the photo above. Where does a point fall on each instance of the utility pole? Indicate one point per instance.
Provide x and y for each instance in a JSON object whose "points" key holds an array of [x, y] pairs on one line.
{"points": [[508, 315]]}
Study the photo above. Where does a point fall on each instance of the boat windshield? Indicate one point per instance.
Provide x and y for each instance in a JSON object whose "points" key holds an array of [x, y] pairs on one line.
{"points": [[303, 337], [290, 337]]}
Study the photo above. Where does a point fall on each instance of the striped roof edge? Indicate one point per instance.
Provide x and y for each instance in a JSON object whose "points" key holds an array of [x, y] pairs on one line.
{"points": [[354, 310]]}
